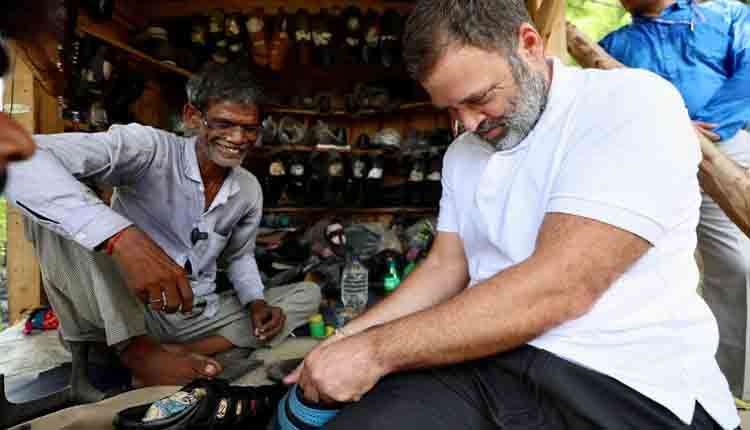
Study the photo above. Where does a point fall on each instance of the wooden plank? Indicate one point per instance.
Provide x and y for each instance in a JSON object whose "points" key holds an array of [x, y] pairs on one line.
{"points": [[24, 279]]}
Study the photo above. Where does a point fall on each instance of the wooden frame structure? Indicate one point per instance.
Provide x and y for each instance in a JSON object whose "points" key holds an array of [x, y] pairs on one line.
{"points": [[24, 281]]}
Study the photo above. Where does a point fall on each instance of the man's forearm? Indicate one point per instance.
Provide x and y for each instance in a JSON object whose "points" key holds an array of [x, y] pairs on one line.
{"points": [[497, 315], [430, 283]]}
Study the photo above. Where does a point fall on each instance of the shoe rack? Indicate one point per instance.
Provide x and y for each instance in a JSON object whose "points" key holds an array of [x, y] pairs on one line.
{"points": [[165, 82]]}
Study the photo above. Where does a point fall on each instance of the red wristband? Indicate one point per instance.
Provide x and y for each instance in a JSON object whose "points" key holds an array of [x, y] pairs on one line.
{"points": [[111, 242]]}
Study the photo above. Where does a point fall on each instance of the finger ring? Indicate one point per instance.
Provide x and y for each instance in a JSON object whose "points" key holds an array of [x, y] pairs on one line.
{"points": [[153, 301]]}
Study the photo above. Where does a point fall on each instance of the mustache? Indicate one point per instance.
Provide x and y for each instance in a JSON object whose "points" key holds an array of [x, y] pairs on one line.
{"points": [[490, 124]]}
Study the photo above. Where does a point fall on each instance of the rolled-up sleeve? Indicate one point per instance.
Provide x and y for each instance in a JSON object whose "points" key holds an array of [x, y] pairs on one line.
{"points": [[48, 189], [239, 255]]}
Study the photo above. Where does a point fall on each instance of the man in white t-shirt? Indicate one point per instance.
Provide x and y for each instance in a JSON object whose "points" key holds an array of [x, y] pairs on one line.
{"points": [[559, 292]]}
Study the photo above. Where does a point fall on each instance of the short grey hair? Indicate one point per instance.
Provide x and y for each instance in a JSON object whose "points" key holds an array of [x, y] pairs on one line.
{"points": [[231, 82], [491, 25]]}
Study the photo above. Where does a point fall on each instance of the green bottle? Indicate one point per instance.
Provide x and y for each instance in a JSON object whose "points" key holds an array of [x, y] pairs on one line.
{"points": [[392, 280], [408, 269]]}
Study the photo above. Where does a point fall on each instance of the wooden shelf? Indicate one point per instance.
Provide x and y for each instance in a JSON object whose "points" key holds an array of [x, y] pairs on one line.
{"points": [[116, 35], [399, 210], [294, 111], [269, 150]]}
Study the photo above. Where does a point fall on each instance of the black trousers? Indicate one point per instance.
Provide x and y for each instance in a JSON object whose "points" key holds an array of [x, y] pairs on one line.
{"points": [[526, 388]]}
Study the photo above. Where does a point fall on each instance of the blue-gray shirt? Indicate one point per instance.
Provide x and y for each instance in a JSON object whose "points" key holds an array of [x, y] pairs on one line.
{"points": [[703, 50], [157, 186]]}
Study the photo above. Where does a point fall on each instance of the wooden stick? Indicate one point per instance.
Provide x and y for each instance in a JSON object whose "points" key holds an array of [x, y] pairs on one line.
{"points": [[724, 180]]}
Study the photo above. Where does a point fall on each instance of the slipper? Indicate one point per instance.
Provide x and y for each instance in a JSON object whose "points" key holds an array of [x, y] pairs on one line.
{"points": [[204, 404]]}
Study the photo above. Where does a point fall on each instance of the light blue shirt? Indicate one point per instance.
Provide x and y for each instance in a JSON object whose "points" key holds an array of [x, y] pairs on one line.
{"points": [[157, 187], [703, 49]]}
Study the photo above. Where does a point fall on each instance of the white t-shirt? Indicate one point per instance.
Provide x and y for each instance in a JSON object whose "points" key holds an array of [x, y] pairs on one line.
{"points": [[615, 146]]}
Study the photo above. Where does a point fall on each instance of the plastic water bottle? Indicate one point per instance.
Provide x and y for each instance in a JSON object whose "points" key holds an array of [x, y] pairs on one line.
{"points": [[354, 286]]}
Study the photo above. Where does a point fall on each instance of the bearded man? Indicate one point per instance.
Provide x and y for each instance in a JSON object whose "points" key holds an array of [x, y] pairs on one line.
{"points": [[166, 274], [560, 290]]}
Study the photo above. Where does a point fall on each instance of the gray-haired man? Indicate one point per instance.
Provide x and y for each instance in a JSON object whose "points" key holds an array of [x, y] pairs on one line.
{"points": [[559, 292], [182, 211]]}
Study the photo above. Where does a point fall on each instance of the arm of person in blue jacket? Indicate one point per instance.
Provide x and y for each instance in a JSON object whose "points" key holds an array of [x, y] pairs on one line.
{"points": [[730, 106]]}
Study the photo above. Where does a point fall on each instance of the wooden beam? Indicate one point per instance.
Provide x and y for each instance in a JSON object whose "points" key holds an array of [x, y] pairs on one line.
{"points": [[24, 279], [550, 21]]}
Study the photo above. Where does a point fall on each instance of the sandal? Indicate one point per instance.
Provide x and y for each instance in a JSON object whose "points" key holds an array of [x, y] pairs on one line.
{"points": [[204, 404]]}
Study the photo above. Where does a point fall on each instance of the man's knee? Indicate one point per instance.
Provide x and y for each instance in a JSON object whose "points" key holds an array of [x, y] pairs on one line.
{"points": [[307, 294]]}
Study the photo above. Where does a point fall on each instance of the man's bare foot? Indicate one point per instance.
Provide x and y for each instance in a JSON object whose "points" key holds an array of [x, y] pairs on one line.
{"points": [[156, 364]]}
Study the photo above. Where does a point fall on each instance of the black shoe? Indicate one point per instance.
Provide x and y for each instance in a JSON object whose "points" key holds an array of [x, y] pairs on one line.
{"points": [[333, 193], [291, 131], [302, 35], [374, 181], [234, 32], [371, 45], [298, 174], [355, 183], [198, 51], [275, 181], [351, 19], [155, 42], [416, 181], [99, 8], [322, 39], [316, 181], [390, 39]]}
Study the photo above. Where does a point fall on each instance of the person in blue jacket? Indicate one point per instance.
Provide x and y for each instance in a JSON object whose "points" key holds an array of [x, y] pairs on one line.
{"points": [[704, 51]]}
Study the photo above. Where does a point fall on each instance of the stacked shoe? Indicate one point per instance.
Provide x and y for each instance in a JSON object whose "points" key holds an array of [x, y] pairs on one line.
{"points": [[302, 36], [351, 18], [322, 39], [256, 30], [335, 184], [390, 39], [275, 181], [234, 32], [296, 186], [280, 41], [371, 45]]}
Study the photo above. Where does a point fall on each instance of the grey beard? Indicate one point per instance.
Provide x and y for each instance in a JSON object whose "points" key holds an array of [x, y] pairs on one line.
{"points": [[528, 105]]}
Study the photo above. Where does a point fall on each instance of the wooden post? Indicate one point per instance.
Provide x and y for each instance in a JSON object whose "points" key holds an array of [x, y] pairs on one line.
{"points": [[550, 21], [24, 279]]}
